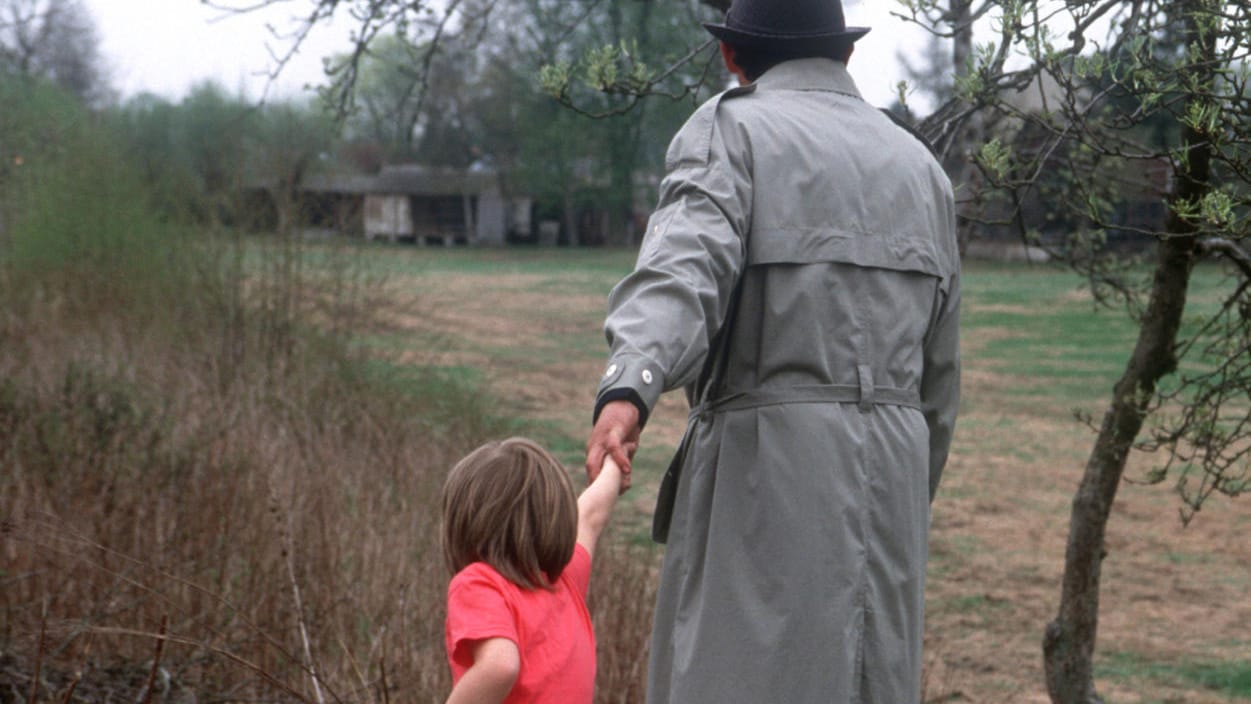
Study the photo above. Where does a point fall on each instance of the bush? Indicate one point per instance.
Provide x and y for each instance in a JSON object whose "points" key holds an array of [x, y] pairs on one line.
{"points": [[203, 490], [189, 453], [76, 222]]}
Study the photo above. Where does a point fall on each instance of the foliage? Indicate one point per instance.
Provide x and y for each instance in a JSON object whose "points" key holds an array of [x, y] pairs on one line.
{"points": [[388, 105], [601, 59], [76, 220], [199, 156], [192, 154], [426, 24]]}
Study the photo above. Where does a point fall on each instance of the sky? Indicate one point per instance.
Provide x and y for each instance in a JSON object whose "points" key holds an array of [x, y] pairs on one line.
{"points": [[167, 46]]}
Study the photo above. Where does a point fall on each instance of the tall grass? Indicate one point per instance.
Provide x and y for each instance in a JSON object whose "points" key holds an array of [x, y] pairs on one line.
{"points": [[203, 494]]}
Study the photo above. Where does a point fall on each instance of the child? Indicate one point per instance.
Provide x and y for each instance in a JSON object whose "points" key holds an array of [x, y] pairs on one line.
{"points": [[519, 547]]}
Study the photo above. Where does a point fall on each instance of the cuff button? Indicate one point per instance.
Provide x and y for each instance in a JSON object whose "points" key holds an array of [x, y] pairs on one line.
{"points": [[647, 376]]}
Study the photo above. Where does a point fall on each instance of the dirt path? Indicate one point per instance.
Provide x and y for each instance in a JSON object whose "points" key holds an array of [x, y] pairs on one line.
{"points": [[1174, 610]]}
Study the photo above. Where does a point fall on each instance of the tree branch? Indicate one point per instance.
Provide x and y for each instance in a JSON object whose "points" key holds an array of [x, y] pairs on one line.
{"points": [[1229, 249]]}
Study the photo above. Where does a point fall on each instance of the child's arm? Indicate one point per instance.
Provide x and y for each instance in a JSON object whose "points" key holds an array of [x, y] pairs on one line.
{"points": [[595, 504], [496, 664]]}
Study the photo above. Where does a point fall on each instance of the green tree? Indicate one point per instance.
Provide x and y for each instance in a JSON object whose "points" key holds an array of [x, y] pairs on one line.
{"points": [[151, 126], [76, 219], [198, 155], [286, 142], [212, 136], [388, 95]]}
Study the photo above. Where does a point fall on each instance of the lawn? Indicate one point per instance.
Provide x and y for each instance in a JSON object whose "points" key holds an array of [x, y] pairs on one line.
{"points": [[1035, 349]]}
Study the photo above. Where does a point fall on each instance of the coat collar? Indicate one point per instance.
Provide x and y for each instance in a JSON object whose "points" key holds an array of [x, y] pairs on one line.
{"points": [[810, 74]]}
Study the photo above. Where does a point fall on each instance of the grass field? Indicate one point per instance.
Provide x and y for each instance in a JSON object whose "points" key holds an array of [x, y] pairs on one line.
{"points": [[1174, 616]]}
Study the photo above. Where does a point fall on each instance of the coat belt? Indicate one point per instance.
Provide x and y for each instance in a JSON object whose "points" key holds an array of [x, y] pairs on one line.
{"points": [[866, 396]]}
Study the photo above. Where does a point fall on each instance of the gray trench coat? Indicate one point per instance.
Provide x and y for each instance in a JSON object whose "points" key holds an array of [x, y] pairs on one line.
{"points": [[795, 563]]}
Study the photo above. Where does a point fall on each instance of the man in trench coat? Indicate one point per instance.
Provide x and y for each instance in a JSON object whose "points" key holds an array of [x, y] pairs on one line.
{"points": [[800, 280]]}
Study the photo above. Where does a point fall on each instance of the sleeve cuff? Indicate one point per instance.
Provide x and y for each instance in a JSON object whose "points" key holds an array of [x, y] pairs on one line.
{"points": [[621, 394], [632, 378]]}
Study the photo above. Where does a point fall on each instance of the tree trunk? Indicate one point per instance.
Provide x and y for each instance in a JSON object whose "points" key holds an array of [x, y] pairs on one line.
{"points": [[961, 13], [1069, 641], [959, 160], [569, 214]]}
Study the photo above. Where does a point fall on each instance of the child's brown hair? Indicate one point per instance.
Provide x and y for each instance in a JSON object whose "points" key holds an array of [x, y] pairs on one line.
{"points": [[511, 505]]}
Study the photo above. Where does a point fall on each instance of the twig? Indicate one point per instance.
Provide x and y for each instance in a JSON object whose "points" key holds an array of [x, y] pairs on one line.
{"points": [[308, 652], [78, 674], [62, 534], [289, 548], [156, 660], [1220, 245], [382, 669], [262, 672], [69, 693], [43, 632], [356, 668]]}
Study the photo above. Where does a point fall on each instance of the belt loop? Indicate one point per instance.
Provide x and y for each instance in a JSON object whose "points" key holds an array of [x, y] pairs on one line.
{"points": [[866, 388]]}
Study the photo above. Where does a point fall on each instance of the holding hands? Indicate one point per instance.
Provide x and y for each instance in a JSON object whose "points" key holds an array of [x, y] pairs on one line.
{"points": [[616, 436]]}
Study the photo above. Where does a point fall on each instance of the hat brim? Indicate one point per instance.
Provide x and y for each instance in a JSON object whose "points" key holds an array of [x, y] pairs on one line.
{"points": [[738, 37]]}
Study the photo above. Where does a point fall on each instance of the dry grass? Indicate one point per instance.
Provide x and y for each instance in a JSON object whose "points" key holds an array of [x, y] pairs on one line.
{"points": [[265, 498], [244, 494]]}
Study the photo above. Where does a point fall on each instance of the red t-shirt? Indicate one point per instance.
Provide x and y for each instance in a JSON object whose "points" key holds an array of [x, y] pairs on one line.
{"points": [[552, 629]]}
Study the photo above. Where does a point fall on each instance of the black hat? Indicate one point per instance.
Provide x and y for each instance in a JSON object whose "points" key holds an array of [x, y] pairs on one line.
{"points": [[785, 22]]}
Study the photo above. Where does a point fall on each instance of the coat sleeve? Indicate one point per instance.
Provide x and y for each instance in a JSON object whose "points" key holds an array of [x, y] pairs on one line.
{"points": [[940, 378], [663, 316]]}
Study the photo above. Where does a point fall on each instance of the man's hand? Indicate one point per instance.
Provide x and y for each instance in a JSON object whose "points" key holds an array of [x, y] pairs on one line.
{"points": [[616, 435]]}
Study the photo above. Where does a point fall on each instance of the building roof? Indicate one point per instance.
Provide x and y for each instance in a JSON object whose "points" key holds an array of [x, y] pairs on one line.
{"points": [[406, 179]]}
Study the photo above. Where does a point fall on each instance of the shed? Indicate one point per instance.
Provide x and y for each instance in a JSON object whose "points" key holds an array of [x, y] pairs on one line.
{"points": [[450, 206]]}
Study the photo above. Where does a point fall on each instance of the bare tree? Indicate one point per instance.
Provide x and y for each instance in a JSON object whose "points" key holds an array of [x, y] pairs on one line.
{"points": [[54, 40], [421, 23], [427, 25]]}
